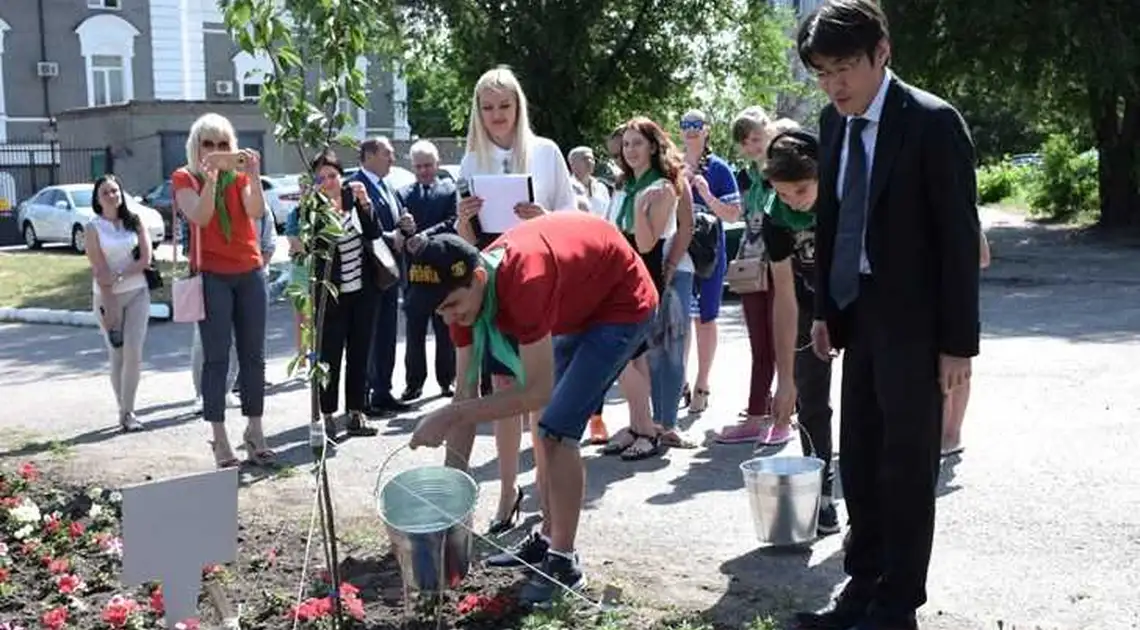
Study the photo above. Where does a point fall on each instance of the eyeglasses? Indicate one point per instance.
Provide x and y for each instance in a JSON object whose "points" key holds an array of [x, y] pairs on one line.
{"points": [[221, 145], [692, 125]]}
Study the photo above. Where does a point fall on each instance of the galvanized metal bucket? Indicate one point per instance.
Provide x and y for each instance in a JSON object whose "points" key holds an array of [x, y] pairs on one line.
{"points": [[428, 513], [784, 493]]}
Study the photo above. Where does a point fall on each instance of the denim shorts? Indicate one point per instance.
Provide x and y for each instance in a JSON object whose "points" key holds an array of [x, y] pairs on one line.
{"points": [[586, 364], [708, 292]]}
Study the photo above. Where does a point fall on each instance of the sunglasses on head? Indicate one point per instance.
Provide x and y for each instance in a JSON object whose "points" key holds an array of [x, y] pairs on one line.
{"points": [[222, 145], [692, 125]]}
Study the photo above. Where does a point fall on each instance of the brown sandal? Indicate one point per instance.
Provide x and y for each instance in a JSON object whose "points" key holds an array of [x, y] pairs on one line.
{"points": [[637, 451], [259, 457], [621, 440], [672, 439]]}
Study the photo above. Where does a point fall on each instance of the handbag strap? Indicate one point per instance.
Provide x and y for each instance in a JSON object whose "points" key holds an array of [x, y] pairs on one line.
{"points": [[195, 260]]}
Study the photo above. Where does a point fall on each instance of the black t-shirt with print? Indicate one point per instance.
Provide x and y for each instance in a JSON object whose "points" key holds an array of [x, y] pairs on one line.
{"points": [[782, 243]]}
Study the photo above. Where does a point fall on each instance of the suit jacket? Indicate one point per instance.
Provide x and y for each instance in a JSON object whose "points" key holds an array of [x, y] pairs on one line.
{"points": [[922, 230], [435, 210], [382, 210]]}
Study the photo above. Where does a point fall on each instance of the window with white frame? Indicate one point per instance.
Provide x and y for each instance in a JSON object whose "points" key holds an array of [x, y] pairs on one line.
{"points": [[107, 80], [104, 4], [107, 43]]}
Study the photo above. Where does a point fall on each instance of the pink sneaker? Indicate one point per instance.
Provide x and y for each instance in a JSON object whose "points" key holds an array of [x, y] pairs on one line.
{"points": [[748, 430], [776, 435]]}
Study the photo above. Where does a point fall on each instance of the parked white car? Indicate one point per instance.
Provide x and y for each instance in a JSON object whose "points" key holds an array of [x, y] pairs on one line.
{"points": [[283, 192], [59, 214]]}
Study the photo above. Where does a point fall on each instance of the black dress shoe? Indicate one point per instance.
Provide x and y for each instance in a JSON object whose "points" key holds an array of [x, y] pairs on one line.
{"points": [[357, 427], [411, 394], [846, 612], [386, 407], [445, 391]]}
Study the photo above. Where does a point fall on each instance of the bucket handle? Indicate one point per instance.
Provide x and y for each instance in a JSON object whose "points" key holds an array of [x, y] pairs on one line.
{"points": [[807, 436]]}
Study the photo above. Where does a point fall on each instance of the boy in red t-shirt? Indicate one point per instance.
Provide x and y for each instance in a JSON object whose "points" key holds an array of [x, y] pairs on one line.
{"points": [[577, 298]]}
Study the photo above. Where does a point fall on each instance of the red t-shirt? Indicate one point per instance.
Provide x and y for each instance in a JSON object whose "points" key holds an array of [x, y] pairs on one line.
{"points": [[242, 253], [563, 273]]}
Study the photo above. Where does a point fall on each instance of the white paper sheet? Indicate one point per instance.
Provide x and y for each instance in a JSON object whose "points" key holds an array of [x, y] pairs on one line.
{"points": [[500, 193]]}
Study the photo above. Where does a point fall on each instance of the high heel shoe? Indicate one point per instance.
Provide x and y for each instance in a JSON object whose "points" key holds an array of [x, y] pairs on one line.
{"points": [[503, 526], [257, 456], [222, 461]]}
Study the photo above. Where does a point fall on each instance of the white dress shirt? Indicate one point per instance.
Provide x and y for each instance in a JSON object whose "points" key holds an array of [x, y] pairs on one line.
{"points": [[873, 115]]}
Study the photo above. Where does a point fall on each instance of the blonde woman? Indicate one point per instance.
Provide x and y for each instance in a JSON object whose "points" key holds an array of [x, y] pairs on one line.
{"points": [[118, 250], [499, 141], [219, 191]]}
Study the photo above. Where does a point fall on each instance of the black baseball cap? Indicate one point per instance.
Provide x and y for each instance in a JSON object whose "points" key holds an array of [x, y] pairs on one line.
{"points": [[445, 263]]}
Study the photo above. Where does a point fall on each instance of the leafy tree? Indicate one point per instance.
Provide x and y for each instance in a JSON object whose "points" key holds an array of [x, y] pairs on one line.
{"points": [[1072, 64], [588, 65]]}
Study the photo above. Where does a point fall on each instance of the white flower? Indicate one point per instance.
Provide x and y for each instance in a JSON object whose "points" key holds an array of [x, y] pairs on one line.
{"points": [[95, 493], [95, 512], [23, 532], [3, 549], [116, 497], [26, 512], [114, 547]]}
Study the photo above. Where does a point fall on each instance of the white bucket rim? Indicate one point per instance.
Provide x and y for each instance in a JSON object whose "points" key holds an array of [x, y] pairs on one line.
{"points": [[746, 469], [461, 518]]}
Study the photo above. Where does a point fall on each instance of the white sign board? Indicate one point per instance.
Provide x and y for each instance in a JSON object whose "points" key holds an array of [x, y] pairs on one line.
{"points": [[173, 528]]}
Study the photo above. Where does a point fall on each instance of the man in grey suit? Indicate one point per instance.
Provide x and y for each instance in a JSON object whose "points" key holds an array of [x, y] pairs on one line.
{"points": [[897, 239], [432, 203]]}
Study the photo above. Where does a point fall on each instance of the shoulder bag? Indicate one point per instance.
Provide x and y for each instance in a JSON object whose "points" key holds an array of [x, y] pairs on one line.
{"points": [[747, 275]]}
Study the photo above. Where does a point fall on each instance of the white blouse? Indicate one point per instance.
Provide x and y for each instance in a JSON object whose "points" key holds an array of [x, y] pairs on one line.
{"points": [[118, 245], [553, 189], [686, 262]]}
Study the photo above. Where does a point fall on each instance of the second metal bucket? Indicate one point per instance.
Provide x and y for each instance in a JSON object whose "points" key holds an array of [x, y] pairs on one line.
{"points": [[784, 493], [428, 516]]}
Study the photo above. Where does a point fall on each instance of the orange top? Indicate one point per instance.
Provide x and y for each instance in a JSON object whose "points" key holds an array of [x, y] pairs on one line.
{"points": [[242, 252]]}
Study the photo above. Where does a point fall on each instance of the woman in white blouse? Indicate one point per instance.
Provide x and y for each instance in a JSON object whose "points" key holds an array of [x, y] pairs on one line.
{"points": [[499, 141], [119, 251]]}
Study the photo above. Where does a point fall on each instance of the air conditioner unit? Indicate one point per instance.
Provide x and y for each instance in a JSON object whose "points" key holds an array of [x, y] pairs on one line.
{"points": [[46, 69], [223, 88]]}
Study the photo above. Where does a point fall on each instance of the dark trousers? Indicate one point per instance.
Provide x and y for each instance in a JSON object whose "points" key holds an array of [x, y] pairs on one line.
{"points": [[813, 401], [347, 326], [890, 427], [235, 313], [382, 358], [415, 350]]}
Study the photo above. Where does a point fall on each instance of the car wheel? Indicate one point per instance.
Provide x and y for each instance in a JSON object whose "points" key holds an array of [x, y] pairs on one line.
{"points": [[30, 238], [78, 243]]}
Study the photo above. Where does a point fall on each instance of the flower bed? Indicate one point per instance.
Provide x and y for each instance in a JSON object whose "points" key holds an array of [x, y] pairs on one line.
{"points": [[61, 556]]}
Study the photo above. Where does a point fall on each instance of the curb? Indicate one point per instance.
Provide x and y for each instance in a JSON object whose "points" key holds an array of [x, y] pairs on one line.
{"points": [[159, 311]]}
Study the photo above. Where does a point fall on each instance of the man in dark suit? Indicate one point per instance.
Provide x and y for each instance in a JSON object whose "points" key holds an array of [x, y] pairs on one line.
{"points": [[376, 157], [897, 241], [432, 204]]}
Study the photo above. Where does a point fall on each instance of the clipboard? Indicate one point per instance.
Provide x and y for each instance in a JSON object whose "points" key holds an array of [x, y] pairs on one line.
{"points": [[500, 193]]}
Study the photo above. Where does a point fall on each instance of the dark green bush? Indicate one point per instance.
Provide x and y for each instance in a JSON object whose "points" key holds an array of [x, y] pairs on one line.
{"points": [[1066, 187], [1001, 181]]}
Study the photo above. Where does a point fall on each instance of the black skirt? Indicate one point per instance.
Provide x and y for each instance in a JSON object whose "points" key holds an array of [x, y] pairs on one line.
{"points": [[654, 260]]}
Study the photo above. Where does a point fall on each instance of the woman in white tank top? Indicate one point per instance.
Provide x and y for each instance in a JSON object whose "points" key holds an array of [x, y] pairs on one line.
{"points": [[119, 252]]}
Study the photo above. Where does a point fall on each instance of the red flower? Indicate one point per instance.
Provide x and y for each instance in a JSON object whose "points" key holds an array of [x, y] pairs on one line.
{"points": [[58, 567], [313, 609], [493, 607], [354, 606], [348, 590], [29, 472], [75, 530], [53, 524], [119, 610], [68, 584], [10, 502], [55, 618], [157, 603], [30, 547], [3, 575], [211, 569]]}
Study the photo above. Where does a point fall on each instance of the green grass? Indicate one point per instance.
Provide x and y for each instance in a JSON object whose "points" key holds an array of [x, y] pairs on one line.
{"points": [[56, 279]]}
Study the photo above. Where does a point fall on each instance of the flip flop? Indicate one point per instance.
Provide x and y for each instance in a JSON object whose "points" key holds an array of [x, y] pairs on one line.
{"points": [[672, 439]]}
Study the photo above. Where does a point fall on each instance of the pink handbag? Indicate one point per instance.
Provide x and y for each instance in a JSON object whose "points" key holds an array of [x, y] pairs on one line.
{"points": [[188, 301]]}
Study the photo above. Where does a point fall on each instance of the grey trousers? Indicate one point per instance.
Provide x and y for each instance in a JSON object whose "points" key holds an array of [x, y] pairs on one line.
{"points": [[236, 308], [197, 358], [126, 361]]}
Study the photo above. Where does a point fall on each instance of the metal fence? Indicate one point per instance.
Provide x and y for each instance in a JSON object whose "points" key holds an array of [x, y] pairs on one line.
{"points": [[27, 167]]}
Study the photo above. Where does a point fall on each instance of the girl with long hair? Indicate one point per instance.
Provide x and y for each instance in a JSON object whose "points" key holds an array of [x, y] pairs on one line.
{"points": [[119, 250], [646, 210], [500, 140]]}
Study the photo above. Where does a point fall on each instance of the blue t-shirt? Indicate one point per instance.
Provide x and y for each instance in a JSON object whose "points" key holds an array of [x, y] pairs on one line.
{"points": [[722, 183]]}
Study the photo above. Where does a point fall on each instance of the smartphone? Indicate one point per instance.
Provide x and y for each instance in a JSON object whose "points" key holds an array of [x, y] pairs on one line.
{"points": [[463, 186], [230, 161]]}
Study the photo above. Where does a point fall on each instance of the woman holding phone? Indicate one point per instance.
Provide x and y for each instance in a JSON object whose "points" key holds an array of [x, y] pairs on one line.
{"points": [[119, 250], [220, 193], [500, 141]]}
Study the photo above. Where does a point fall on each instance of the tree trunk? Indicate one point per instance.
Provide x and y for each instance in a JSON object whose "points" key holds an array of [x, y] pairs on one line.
{"points": [[1116, 138]]}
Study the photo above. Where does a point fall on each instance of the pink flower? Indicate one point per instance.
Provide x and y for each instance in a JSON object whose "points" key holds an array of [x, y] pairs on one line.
{"points": [[75, 530], [29, 472], [3, 575], [55, 618], [119, 610], [68, 584], [157, 603], [58, 567], [189, 624]]}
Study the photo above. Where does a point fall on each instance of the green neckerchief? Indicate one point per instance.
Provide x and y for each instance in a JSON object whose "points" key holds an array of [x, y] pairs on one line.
{"points": [[784, 216], [632, 187], [225, 178], [485, 332], [756, 197]]}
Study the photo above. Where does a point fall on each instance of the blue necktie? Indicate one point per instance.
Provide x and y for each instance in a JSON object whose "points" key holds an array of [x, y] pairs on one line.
{"points": [[848, 251]]}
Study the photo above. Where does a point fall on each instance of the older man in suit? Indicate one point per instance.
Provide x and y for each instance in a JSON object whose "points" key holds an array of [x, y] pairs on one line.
{"points": [[897, 242], [432, 204], [376, 157]]}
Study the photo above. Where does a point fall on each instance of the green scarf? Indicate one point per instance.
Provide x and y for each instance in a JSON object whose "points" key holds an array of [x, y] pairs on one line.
{"points": [[761, 197], [485, 332], [632, 188], [756, 197], [225, 178]]}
